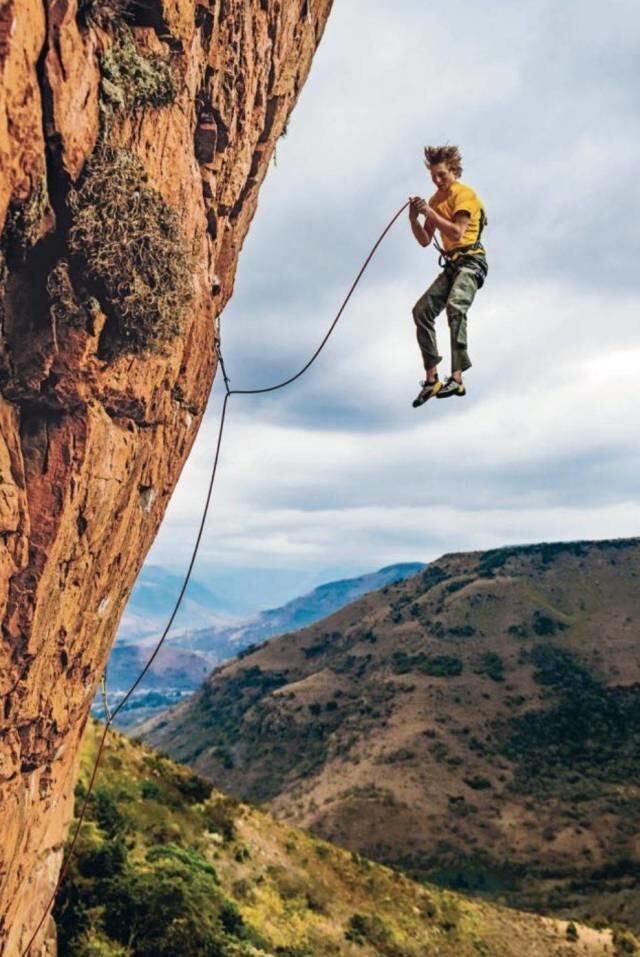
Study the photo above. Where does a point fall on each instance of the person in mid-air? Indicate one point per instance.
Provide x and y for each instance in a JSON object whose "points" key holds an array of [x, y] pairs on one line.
{"points": [[458, 214]]}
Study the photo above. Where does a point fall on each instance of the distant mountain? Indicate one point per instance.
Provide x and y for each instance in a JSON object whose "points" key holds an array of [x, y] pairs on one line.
{"points": [[174, 674], [478, 723], [165, 865], [153, 598], [173, 668], [186, 659], [225, 642]]}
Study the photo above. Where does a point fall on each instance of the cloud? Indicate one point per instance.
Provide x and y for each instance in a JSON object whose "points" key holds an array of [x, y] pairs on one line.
{"points": [[338, 471]]}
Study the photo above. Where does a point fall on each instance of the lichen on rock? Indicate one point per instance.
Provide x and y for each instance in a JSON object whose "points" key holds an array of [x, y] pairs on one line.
{"points": [[132, 252], [23, 224], [63, 302], [101, 13], [132, 79]]}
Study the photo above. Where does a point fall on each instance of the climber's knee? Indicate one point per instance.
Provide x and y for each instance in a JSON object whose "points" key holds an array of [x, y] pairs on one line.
{"points": [[423, 312]]}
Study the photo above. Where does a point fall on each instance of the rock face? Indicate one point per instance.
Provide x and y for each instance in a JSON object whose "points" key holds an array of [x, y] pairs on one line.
{"points": [[133, 141]]}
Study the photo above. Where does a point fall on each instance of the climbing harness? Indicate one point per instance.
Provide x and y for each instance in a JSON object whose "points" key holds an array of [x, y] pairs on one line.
{"points": [[110, 716]]}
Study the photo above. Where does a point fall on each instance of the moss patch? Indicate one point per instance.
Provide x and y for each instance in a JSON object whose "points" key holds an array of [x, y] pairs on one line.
{"points": [[23, 225], [63, 304], [129, 246], [132, 79], [101, 13]]}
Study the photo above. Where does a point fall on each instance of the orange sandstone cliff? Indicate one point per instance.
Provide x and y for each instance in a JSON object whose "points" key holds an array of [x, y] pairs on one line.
{"points": [[134, 135]]}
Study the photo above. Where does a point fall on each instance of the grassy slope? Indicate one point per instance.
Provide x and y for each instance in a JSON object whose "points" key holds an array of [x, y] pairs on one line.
{"points": [[276, 889], [479, 722]]}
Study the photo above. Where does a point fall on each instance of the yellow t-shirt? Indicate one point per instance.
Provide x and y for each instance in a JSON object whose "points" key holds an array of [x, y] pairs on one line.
{"points": [[460, 199]]}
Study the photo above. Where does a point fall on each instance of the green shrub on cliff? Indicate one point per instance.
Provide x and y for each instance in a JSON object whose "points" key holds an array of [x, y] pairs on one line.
{"points": [[132, 79], [128, 244]]}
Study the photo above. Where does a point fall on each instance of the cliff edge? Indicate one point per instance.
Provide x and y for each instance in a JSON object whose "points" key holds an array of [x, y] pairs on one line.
{"points": [[134, 137]]}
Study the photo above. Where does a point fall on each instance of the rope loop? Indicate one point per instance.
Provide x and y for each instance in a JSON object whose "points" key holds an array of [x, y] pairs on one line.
{"points": [[111, 715]]}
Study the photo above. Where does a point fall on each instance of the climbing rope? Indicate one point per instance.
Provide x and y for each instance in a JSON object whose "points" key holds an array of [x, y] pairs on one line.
{"points": [[111, 715]]}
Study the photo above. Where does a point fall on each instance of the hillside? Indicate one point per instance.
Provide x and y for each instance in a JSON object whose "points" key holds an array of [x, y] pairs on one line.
{"points": [[167, 866], [478, 723], [185, 660]]}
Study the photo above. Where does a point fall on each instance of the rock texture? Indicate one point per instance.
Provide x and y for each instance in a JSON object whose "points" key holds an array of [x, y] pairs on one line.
{"points": [[93, 435]]}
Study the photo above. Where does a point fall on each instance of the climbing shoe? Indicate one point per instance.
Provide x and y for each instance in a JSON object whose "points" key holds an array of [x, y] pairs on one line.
{"points": [[451, 387], [428, 390]]}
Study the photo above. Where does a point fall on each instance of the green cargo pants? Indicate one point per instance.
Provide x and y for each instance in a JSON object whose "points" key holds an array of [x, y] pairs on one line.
{"points": [[454, 289]]}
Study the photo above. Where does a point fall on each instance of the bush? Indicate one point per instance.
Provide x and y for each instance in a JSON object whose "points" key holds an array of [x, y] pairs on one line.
{"points": [[105, 860], [128, 245], [193, 788], [131, 79], [219, 815], [544, 625], [438, 666], [442, 666], [149, 790], [492, 666], [572, 932], [461, 631], [432, 577], [478, 783], [367, 928], [231, 919], [623, 944], [107, 813], [166, 910], [174, 854], [95, 945]]}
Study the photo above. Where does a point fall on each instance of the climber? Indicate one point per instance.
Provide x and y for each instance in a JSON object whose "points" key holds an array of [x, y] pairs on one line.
{"points": [[457, 213]]}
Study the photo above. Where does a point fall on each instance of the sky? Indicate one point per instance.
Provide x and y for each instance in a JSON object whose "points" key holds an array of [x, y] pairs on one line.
{"points": [[338, 474]]}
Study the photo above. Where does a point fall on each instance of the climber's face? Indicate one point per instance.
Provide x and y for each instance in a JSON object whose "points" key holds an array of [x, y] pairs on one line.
{"points": [[442, 176]]}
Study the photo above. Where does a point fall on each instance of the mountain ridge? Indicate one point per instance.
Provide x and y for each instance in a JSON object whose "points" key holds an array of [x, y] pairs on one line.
{"points": [[184, 661], [463, 724], [298, 612]]}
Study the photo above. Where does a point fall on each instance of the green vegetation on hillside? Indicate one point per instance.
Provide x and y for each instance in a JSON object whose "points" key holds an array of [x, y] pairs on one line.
{"points": [[503, 710], [165, 867], [590, 733], [140, 882], [438, 666], [547, 552]]}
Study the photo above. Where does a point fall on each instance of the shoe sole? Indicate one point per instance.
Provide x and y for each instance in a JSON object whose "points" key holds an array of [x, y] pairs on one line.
{"points": [[448, 395], [416, 403]]}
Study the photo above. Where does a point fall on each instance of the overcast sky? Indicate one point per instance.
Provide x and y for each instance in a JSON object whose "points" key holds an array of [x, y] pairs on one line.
{"points": [[339, 474]]}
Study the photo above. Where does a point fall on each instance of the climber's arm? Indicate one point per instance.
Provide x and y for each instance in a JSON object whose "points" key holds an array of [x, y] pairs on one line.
{"points": [[452, 229], [422, 232]]}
